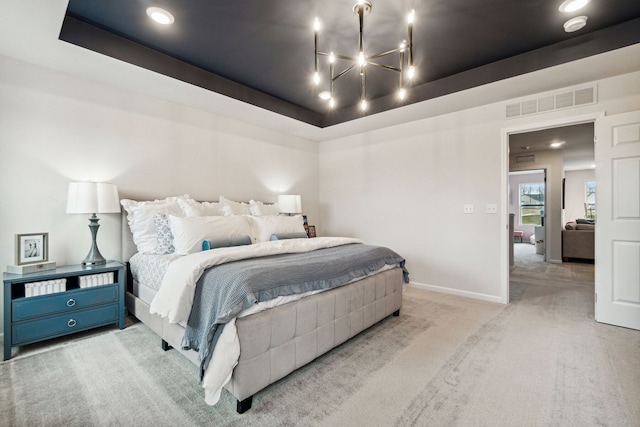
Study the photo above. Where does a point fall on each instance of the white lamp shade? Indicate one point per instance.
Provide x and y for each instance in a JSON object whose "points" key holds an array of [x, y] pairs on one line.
{"points": [[290, 203], [93, 197]]}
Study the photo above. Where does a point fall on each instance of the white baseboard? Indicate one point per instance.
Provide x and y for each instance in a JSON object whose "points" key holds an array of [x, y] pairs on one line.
{"points": [[555, 261], [457, 292]]}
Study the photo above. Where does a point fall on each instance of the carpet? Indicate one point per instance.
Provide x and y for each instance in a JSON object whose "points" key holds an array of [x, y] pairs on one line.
{"points": [[445, 361]]}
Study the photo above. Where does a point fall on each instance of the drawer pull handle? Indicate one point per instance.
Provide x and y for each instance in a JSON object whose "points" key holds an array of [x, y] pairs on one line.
{"points": [[71, 323], [71, 302]]}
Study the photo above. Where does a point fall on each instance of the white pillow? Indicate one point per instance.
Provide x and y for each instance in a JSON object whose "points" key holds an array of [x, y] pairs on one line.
{"points": [[140, 217], [189, 232], [261, 209], [264, 226], [192, 207], [234, 208]]}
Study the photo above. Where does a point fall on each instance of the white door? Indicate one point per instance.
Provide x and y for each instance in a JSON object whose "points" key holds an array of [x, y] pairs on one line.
{"points": [[617, 279]]}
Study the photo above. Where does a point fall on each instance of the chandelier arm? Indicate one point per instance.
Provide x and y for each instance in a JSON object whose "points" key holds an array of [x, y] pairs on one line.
{"points": [[331, 79], [389, 52], [351, 67], [346, 58], [361, 43], [410, 44], [386, 67], [361, 19], [401, 65]]}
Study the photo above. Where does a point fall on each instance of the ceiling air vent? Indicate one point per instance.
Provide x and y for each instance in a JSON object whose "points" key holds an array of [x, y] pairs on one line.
{"points": [[529, 158], [552, 101]]}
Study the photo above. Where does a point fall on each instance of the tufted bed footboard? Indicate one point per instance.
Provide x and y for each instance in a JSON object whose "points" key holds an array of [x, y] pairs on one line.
{"points": [[276, 342]]}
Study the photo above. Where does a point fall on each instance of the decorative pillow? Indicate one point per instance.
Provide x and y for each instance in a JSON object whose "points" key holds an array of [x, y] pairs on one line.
{"points": [[234, 208], [284, 236], [585, 221], [192, 208], [570, 226], [140, 217], [261, 209], [263, 227], [225, 243], [189, 232], [164, 238]]}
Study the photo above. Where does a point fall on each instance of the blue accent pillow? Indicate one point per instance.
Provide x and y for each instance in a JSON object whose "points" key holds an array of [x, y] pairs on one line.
{"points": [[283, 236], [224, 243]]}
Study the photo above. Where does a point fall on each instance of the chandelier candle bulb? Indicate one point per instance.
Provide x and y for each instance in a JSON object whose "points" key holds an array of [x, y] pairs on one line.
{"points": [[411, 72]]}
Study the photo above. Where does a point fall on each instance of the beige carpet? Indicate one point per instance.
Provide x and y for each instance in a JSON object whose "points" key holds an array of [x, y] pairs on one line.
{"points": [[446, 361]]}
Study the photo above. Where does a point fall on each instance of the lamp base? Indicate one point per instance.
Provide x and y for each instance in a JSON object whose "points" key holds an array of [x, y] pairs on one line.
{"points": [[90, 262], [94, 257]]}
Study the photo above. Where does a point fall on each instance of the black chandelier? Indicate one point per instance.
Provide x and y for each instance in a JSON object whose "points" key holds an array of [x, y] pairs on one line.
{"points": [[362, 8]]}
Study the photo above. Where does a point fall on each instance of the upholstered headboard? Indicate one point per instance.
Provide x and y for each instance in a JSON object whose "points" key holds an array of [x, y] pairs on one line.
{"points": [[128, 247]]}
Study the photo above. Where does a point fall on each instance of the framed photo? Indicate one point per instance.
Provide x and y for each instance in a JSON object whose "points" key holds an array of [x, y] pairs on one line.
{"points": [[311, 231], [32, 248]]}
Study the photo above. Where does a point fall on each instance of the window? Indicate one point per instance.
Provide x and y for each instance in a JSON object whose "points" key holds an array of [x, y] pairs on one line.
{"points": [[590, 200], [531, 203]]}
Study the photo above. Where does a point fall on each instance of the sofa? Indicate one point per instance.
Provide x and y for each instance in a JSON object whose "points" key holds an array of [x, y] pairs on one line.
{"points": [[578, 241]]}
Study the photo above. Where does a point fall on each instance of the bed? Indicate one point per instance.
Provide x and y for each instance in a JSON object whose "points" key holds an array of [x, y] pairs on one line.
{"points": [[273, 332]]}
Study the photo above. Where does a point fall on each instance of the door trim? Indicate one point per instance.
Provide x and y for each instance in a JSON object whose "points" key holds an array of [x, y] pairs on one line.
{"points": [[504, 180]]}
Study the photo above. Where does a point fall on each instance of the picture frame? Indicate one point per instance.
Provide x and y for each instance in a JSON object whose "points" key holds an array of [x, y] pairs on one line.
{"points": [[311, 231], [32, 248]]}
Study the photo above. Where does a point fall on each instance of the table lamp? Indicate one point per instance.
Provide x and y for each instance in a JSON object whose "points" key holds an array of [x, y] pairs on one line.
{"points": [[290, 204], [93, 198]]}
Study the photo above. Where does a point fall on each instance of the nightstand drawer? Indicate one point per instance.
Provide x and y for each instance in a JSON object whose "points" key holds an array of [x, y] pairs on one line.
{"points": [[29, 308], [62, 324]]}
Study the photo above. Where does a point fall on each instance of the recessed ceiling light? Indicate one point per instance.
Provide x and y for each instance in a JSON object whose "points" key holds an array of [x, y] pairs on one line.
{"points": [[324, 95], [556, 144], [572, 5], [575, 24], [159, 15]]}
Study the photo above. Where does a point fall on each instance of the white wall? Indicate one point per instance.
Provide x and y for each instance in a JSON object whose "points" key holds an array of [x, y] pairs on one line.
{"points": [[575, 192], [55, 128], [405, 187]]}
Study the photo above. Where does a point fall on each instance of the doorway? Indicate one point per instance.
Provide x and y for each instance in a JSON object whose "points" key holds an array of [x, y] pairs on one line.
{"points": [[527, 203], [547, 158]]}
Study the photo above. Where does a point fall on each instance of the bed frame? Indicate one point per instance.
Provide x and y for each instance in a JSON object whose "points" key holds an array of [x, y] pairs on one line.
{"points": [[276, 342]]}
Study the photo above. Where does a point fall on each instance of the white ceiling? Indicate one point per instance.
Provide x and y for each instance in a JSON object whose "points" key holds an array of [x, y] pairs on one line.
{"points": [[577, 144], [30, 31]]}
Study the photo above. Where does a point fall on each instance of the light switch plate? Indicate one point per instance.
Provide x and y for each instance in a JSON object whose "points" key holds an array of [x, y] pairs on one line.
{"points": [[491, 209], [468, 209]]}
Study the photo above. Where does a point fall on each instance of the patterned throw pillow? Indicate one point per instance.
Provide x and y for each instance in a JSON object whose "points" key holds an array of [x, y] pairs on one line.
{"points": [[165, 238]]}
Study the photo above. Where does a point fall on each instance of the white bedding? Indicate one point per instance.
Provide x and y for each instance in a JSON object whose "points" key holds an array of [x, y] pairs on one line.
{"points": [[175, 297]]}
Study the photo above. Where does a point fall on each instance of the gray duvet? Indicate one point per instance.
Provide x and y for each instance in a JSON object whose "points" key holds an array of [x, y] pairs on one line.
{"points": [[225, 290]]}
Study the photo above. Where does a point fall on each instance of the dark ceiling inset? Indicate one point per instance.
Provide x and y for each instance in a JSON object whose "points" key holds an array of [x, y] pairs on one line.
{"points": [[261, 52]]}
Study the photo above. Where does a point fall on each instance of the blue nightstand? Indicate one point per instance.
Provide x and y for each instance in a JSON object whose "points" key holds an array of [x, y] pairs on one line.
{"points": [[36, 318]]}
